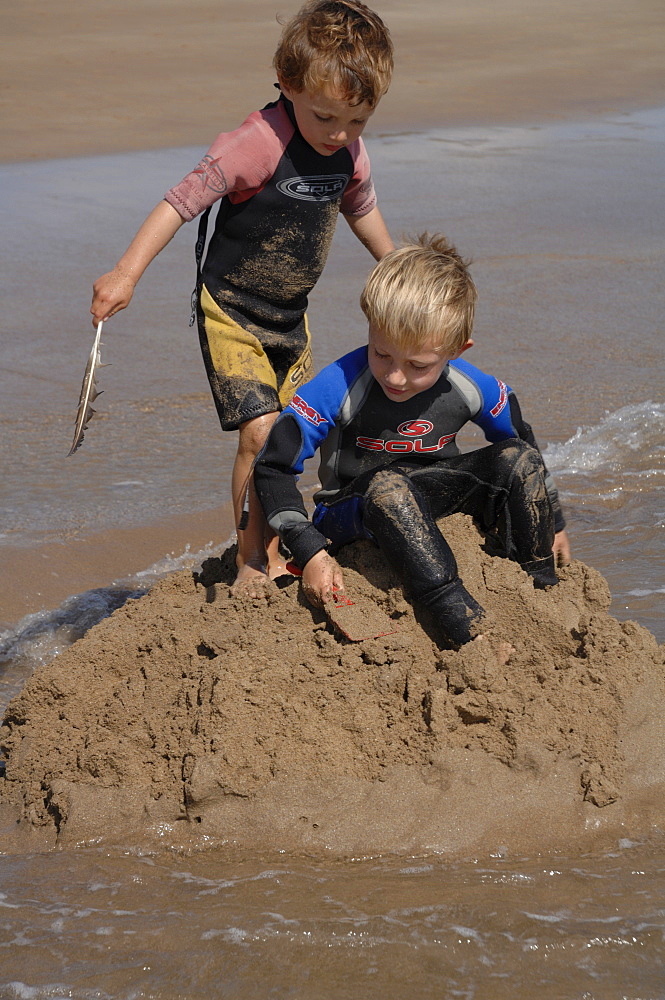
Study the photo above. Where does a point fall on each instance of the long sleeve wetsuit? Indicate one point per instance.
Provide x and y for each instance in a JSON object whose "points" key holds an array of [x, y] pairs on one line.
{"points": [[388, 470]]}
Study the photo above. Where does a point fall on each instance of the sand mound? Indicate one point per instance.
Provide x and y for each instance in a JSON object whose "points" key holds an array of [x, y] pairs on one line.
{"points": [[199, 718]]}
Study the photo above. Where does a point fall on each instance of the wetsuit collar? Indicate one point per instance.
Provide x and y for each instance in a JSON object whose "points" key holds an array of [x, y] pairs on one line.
{"points": [[288, 107]]}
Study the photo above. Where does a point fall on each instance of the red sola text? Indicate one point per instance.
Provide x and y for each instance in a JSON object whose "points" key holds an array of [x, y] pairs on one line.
{"points": [[415, 445]]}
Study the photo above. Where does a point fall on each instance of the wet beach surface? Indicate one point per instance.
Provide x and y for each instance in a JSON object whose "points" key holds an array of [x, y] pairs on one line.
{"points": [[81, 80], [173, 928], [564, 222]]}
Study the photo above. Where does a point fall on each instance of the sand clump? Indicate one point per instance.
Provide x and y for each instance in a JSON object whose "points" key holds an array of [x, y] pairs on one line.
{"points": [[200, 717]]}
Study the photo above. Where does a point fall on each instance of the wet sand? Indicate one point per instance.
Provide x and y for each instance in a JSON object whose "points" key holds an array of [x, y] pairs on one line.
{"points": [[83, 79], [191, 718], [42, 577], [87, 81]]}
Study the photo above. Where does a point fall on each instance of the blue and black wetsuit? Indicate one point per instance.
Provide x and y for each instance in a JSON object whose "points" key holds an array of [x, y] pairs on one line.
{"points": [[389, 469]]}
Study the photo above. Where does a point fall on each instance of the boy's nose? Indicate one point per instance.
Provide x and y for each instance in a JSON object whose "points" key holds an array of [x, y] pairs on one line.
{"points": [[396, 378], [339, 136]]}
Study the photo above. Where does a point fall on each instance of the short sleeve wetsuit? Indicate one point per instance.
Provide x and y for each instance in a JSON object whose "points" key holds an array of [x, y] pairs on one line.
{"points": [[280, 200]]}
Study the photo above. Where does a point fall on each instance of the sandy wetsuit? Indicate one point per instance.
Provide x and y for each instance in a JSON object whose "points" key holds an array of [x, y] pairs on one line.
{"points": [[280, 203], [388, 469]]}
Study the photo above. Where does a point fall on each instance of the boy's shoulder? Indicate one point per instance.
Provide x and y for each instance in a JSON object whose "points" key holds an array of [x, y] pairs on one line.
{"points": [[460, 370], [485, 394], [353, 362], [247, 156], [467, 368], [269, 124], [323, 398], [267, 133], [343, 370]]}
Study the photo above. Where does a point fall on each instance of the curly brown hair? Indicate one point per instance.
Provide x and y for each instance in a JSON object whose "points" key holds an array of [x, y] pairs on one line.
{"points": [[341, 44]]}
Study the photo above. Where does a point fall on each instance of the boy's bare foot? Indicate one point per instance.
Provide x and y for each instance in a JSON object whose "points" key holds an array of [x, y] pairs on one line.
{"points": [[251, 582], [277, 563], [277, 567]]}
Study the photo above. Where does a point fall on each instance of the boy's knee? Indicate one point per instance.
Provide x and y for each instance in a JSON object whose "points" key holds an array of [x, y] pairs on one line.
{"points": [[384, 480], [515, 452], [388, 489], [524, 463]]}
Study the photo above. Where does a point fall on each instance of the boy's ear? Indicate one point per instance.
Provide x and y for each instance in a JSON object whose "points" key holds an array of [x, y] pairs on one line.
{"points": [[288, 93], [463, 348]]}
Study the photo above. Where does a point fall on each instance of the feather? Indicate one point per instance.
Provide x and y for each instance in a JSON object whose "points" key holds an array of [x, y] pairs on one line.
{"points": [[89, 392]]}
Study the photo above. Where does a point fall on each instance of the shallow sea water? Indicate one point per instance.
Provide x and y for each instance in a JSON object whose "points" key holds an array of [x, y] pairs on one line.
{"points": [[565, 224], [125, 926]]}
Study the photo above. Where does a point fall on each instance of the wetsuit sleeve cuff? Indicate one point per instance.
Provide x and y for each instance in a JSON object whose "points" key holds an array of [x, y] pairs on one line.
{"points": [[303, 541]]}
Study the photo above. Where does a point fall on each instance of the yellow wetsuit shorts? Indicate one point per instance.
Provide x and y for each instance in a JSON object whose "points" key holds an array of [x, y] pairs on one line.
{"points": [[252, 369]]}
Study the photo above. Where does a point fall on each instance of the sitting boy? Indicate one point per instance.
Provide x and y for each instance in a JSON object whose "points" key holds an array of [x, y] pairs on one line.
{"points": [[385, 418]]}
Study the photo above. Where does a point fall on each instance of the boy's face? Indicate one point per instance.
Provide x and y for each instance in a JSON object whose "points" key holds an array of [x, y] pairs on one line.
{"points": [[327, 122], [402, 374]]}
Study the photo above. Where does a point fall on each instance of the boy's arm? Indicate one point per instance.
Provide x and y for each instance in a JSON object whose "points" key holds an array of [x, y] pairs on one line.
{"points": [[498, 414], [275, 483], [372, 232], [275, 480], [241, 160], [113, 291], [296, 435]]}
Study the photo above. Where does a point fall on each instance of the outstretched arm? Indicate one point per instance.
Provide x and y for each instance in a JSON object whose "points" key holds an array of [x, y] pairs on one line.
{"points": [[113, 291], [372, 232]]}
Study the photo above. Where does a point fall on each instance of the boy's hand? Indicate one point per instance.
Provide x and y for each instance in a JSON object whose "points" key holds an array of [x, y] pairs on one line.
{"points": [[322, 579], [561, 549], [110, 293]]}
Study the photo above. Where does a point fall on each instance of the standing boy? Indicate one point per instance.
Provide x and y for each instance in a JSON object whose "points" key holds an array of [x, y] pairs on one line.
{"points": [[282, 177], [384, 419]]}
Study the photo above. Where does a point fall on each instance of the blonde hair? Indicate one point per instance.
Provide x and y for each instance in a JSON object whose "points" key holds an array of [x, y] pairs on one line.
{"points": [[422, 293], [341, 44]]}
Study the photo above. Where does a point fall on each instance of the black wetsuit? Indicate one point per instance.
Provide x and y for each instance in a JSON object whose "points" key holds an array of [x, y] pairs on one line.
{"points": [[389, 469], [280, 201]]}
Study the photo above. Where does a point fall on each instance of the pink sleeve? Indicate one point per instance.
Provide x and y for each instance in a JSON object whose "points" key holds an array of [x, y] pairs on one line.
{"points": [[238, 162], [360, 196]]}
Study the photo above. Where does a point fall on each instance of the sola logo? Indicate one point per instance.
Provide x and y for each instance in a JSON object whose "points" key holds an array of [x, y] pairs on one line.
{"points": [[411, 428], [324, 188]]}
